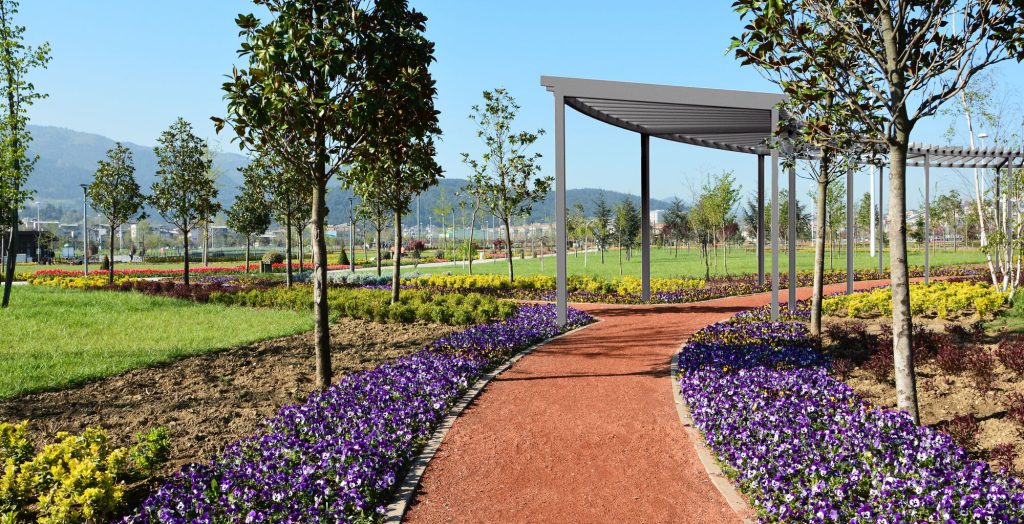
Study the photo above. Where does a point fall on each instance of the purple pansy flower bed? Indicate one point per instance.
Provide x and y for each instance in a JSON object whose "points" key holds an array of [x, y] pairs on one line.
{"points": [[338, 456], [804, 447]]}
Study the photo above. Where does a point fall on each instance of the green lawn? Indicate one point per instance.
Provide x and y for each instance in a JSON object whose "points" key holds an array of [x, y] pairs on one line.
{"points": [[689, 264], [52, 338]]}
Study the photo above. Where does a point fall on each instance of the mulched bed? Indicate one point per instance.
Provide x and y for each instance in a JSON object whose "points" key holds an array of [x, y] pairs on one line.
{"points": [[209, 401]]}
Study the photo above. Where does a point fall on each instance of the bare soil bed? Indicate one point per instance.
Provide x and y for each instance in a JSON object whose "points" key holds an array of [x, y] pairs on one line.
{"points": [[209, 401], [964, 388]]}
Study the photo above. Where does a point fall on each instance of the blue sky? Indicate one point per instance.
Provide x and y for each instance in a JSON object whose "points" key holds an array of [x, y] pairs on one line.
{"points": [[127, 69]]}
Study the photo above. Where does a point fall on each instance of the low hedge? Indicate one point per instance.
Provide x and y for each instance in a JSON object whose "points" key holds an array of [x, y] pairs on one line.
{"points": [[375, 304], [943, 299]]}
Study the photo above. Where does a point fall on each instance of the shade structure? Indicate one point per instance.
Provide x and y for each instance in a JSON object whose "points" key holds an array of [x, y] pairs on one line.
{"points": [[728, 120]]}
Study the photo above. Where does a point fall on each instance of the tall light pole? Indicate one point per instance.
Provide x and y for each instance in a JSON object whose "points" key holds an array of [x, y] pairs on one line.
{"points": [[352, 234], [85, 227], [39, 246]]}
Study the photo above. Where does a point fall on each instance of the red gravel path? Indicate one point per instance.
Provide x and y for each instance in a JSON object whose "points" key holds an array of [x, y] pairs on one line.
{"points": [[584, 429]]}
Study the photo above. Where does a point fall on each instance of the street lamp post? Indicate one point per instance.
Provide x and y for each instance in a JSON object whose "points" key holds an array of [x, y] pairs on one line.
{"points": [[85, 228], [352, 234], [39, 246]]}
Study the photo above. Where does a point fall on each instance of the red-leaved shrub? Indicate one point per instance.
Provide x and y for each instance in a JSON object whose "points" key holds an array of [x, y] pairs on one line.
{"points": [[1004, 455], [1011, 353], [963, 430], [982, 366], [1015, 408]]}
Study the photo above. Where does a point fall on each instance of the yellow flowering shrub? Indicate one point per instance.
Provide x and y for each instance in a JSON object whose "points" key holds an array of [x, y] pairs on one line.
{"points": [[78, 479], [79, 282], [943, 299], [580, 283]]}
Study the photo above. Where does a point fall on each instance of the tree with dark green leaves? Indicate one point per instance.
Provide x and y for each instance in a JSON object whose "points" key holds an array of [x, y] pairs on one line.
{"points": [[677, 224], [16, 61], [601, 226], [374, 209], [627, 228], [893, 64], [115, 193], [287, 194], [506, 173], [183, 192], [250, 213], [862, 221]]}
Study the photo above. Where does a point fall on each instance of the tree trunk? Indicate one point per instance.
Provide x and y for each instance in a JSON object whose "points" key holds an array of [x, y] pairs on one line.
{"points": [[185, 273], [819, 249], [288, 251], [508, 250], [248, 241], [299, 232], [110, 272], [396, 276], [378, 252], [206, 244], [902, 322], [11, 255], [321, 307], [469, 247]]}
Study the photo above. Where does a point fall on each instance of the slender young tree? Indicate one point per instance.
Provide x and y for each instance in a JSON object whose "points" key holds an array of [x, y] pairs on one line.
{"points": [[183, 192], [18, 94], [115, 193], [677, 225], [601, 227], [892, 63], [374, 209], [506, 173], [473, 201], [287, 195], [250, 214]]}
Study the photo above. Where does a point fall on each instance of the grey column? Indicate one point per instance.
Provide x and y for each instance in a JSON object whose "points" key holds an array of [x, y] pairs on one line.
{"points": [[879, 223], [775, 219], [792, 239], [927, 220], [849, 231], [760, 220], [561, 297], [645, 217]]}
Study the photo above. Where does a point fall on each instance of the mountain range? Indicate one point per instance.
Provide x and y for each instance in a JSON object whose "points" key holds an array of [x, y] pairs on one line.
{"points": [[68, 159]]}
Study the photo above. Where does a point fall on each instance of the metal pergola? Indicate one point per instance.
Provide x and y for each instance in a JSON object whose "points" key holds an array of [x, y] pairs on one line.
{"points": [[738, 121]]}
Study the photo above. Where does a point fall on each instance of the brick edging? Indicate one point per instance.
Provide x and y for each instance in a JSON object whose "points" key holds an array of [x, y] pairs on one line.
{"points": [[409, 486], [736, 501]]}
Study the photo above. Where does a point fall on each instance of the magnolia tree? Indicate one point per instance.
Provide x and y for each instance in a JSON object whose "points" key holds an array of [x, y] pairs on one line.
{"points": [[890, 64], [506, 173], [17, 94], [315, 82], [250, 214], [115, 193], [183, 193]]}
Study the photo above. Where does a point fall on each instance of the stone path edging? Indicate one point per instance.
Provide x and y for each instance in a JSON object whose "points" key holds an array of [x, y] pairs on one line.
{"points": [[725, 486], [411, 482]]}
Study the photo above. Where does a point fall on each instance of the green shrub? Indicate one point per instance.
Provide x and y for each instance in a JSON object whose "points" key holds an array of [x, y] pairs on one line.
{"points": [[105, 263], [152, 450], [343, 258], [273, 257]]}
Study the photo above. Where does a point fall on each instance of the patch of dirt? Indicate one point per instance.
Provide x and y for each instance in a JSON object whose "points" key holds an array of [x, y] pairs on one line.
{"points": [[209, 401], [942, 396]]}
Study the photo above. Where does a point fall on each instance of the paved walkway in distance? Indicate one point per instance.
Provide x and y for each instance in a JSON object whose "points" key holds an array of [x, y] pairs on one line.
{"points": [[584, 429]]}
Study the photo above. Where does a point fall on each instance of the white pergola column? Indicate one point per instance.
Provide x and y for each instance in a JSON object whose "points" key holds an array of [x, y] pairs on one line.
{"points": [[927, 221], [645, 217], [760, 220], [880, 222], [871, 190], [849, 231], [561, 295], [792, 239], [775, 218]]}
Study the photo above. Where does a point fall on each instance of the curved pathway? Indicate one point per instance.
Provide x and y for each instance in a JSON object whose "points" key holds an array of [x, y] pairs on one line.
{"points": [[584, 429]]}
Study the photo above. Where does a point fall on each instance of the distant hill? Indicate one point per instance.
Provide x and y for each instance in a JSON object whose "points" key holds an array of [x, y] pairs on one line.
{"points": [[68, 158]]}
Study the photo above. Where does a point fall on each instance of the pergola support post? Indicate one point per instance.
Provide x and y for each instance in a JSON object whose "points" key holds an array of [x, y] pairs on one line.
{"points": [[760, 220], [879, 223], [927, 221], [849, 231], [775, 217], [645, 217], [792, 239], [561, 294]]}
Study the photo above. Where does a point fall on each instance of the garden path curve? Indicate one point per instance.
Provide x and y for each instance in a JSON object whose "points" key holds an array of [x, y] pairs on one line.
{"points": [[584, 429]]}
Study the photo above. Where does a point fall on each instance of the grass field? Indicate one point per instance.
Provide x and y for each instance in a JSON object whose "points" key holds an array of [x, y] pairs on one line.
{"points": [[52, 338], [665, 264]]}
